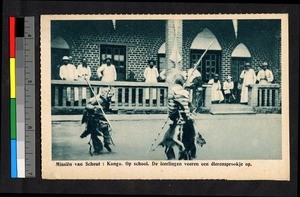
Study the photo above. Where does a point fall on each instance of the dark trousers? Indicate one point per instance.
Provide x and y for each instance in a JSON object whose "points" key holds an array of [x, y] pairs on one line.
{"points": [[97, 144]]}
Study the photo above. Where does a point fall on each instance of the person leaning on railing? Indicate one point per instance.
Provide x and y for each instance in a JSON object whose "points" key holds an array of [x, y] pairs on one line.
{"points": [[84, 71], [68, 72], [265, 75]]}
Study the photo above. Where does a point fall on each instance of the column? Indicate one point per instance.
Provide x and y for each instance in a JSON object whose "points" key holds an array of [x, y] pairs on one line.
{"points": [[173, 37]]}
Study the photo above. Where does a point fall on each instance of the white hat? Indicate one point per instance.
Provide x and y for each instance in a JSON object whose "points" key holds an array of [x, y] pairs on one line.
{"points": [[229, 77], [65, 58], [265, 64]]}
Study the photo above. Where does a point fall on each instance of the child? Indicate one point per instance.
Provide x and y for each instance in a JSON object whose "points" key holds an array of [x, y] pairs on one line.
{"points": [[228, 87]]}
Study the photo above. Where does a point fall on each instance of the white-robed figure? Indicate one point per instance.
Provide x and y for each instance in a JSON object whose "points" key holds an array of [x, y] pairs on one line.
{"points": [[228, 86], [107, 73], [68, 72], [151, 75], [216, 93], [265, 75], [249, 79], [84, 72]]}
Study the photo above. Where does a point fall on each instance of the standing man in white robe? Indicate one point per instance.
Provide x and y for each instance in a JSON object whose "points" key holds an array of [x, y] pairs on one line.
{"points": [[249, 79], [151, 75], [107, 73], [265, 75], [84, 71], [68, 72]]}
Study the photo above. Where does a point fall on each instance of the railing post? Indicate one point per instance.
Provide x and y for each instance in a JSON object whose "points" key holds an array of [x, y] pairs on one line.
{"points": [[64, 96], [150, 96], [270, 97], [56, 95], [266, 97], [116, 96], [123, 97], [80, 96], [165, 97], [158, 90], [136, 97], [253, 94], [144, 96], [208, 95], [277, 97], [129, 96]]}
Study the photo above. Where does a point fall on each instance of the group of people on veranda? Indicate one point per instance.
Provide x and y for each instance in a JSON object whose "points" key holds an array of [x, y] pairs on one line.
{"points": [[247, 79]]}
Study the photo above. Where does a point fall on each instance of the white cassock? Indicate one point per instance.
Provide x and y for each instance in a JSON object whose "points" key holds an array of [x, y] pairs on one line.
{"points": [[216, 93], [69, 72], [109, 75], [86, 71], [227, 86], [151, 75], [249, 79], [190, 77], [265, 76]]}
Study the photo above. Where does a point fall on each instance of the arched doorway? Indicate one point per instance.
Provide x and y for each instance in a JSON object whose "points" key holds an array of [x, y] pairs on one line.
{"points": [[59, 48], [212, 60], [239, 57]]}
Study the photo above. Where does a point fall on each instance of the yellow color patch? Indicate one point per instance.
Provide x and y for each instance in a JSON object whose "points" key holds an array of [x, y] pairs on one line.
{"points": [[12, 63]]}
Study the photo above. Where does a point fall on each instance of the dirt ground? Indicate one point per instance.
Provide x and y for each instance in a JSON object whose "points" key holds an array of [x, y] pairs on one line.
{"points": [[228, 137]]}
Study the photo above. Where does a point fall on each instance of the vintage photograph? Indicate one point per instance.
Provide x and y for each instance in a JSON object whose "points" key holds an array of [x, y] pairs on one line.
{"points": [[133, 96]]}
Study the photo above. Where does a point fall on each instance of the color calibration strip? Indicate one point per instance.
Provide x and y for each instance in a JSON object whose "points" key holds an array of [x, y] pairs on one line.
{"points": [[22, 95]]}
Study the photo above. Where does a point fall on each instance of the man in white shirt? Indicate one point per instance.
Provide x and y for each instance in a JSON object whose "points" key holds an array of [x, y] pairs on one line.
{"points": [[107, 73], [265, 75], [249, 79], [68, 72], [151, 75], [84, 71]]}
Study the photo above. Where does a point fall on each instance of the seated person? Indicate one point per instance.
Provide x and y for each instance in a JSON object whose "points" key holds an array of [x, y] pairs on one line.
{"points": [[228, 88], [216, 93]]}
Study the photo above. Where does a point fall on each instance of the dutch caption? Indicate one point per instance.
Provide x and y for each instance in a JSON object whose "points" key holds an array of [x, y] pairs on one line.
{"points": [[154, 163]]}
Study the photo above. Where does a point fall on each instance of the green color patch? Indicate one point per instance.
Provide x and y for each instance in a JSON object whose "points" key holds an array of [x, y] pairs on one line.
{"points": [[13, 121]]}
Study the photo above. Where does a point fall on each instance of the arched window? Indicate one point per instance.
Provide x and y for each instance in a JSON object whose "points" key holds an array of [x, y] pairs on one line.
{"points": [[210, 63], [239, 57]]}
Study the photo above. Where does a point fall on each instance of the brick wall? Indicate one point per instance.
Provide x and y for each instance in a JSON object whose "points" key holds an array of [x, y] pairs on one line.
{"points": [[262, 38], [143, 39]]}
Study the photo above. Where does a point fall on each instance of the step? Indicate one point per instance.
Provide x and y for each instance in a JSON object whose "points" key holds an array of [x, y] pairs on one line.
{"points": [[218, 112]]}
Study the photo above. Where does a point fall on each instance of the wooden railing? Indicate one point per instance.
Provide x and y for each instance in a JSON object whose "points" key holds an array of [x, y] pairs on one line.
{"points": [[127, 95], [263, 98], [132, 96], [264, 95]]}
